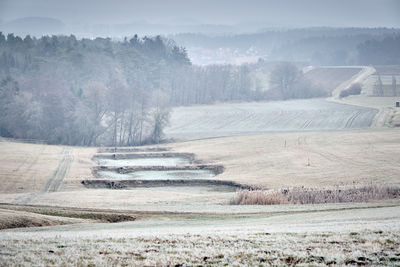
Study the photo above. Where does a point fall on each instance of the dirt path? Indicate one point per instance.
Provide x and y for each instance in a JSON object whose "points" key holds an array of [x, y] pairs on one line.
{"points": [[55, 182], [381, 118]]}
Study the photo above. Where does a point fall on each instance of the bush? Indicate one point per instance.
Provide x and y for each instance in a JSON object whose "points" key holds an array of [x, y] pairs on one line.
{"points": [[300, 195], [354, 89], [258, 197]]}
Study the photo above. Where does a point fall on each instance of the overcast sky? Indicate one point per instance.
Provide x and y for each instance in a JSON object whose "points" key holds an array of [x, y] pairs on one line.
{"points": [[296, 13]]}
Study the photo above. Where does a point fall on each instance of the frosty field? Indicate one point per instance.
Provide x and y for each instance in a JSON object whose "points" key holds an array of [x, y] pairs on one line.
{"points": [[311, 143], [205, 121]]}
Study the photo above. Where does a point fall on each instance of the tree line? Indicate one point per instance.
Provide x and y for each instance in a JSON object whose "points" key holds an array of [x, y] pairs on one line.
{"points": [[105, 92], [316, 46]]}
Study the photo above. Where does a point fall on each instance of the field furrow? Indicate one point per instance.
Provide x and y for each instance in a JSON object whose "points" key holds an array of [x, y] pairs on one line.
{"points": [[248, 118]]}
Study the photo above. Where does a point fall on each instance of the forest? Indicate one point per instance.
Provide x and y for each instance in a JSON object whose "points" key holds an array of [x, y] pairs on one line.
{"points": [[64, 90], [104, 92], [316, 46]]}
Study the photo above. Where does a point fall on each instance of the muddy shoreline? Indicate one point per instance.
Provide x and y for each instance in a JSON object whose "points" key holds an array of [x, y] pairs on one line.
{"points": [[126, 184]]}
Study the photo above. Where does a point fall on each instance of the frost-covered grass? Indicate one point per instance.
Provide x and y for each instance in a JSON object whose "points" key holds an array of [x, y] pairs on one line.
{"points": [[315, 159], [197, 122], [317, 249], [302, 195]]}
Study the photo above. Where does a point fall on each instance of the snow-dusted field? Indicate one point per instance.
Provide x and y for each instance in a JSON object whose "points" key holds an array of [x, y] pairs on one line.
{"points": [[255, 249], [359, 235], [196, 122], [302, 145]]}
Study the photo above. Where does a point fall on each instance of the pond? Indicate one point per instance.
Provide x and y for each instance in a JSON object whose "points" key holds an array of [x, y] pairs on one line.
{"points": [[146, 161], [159, 174]]}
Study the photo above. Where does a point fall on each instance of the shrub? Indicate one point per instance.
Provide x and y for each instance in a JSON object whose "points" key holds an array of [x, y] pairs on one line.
{"points": [[301, 195], [258, 197], [354, 89]]}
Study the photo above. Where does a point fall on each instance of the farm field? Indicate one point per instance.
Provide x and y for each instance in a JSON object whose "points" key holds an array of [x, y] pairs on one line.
{"points": [[365, 236], [330, 78], [271, 161], [304, 159], [388, 115], [37, 168], [371, 101], [194, 223], [205, 121]]}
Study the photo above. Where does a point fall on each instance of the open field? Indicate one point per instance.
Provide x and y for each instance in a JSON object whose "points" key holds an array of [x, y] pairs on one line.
{"points": [[36, 168], [194, 224], [388, 115], [365, 236], [263, 248], [17, 219], [207, 121], [329, 78], [304, 159], [27, 167], [276, 160]]}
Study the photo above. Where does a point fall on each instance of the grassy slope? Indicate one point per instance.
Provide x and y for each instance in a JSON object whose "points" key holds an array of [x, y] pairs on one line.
{"points": [[309, 159], [16, 219], [329, 78], [388, 114], [29, 167], [206, 121], [257, 249], [341, 236]]}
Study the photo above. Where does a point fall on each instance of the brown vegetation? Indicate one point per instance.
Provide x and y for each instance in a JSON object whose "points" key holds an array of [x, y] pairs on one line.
{"points": [[18, 219], [301, 195], [310, 159], [16, 216]]}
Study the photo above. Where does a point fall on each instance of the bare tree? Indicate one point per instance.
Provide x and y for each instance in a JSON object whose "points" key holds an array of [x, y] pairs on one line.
{"points": [[283, 79], [394, 86], [117, 101], [378, 87], [160, 115]]}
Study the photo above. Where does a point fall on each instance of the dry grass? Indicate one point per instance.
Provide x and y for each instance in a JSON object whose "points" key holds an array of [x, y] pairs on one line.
{"points": [[258, 197], [29, 167], [303, 159], [17, 216], [372, 248], [315, 196], [388, 116], [18, 219]]}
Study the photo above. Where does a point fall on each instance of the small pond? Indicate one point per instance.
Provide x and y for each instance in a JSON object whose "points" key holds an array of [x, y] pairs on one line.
{"points": [[147, 161], [159, 174]]}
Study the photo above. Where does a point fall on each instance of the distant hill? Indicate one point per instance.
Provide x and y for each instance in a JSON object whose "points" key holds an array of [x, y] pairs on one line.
{"points": [[36, 26]]}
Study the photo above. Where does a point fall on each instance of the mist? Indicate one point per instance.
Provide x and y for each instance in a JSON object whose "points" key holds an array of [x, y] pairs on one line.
{"points": [[120, 17]]}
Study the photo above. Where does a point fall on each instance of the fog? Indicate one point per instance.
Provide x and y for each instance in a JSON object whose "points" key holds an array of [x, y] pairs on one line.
{"points": [[95, 17], [104, 89]]}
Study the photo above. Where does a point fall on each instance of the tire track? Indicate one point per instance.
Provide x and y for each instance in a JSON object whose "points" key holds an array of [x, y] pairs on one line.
{"points": [[55, 182], [351, 120]]}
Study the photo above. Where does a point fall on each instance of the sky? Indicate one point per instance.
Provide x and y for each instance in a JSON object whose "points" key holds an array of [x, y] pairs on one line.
{"points": [[286, 13]]}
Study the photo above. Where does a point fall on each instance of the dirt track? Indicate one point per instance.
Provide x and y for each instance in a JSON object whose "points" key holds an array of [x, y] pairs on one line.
{"points": [[55, 182]]}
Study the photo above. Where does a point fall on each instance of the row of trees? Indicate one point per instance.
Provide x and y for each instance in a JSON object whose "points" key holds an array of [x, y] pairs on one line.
{"points": [[317, 46], [379, 89], [85, 92], [384, 51], [103, 92], [109, 115]]}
